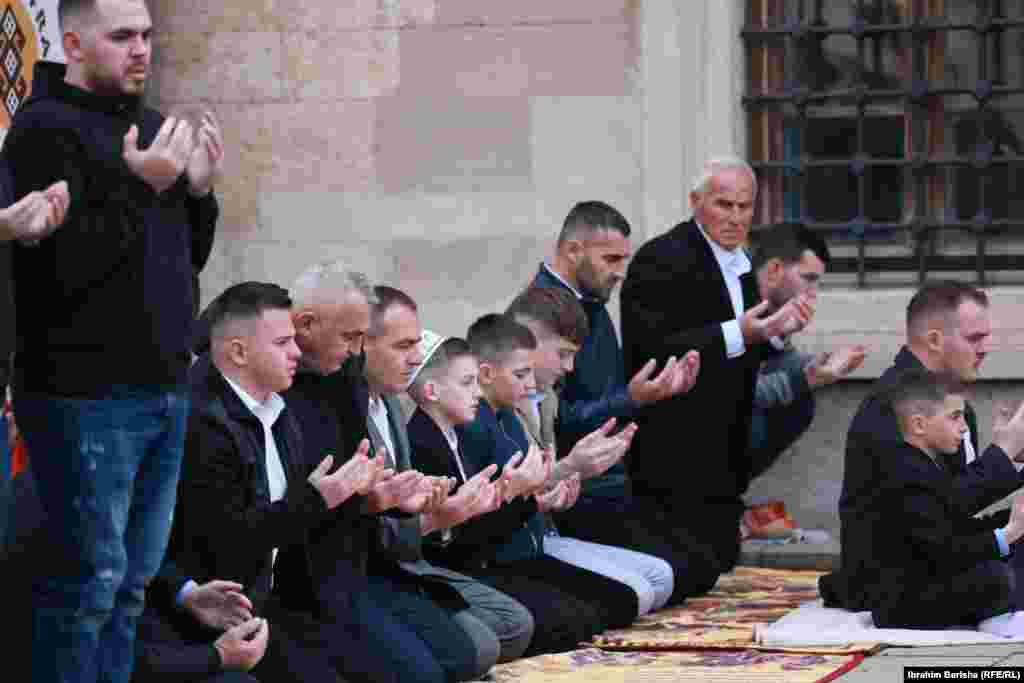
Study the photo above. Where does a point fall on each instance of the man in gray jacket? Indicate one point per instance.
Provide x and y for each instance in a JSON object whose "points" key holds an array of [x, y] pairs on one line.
{"points": [[790, 260]]}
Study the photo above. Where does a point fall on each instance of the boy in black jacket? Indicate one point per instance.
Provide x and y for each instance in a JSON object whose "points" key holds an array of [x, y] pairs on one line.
{"points": [[504, 548], [933, 565]]}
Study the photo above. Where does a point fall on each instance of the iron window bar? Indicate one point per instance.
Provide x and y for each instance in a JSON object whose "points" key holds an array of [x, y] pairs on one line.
{"points": [[919, 101]]}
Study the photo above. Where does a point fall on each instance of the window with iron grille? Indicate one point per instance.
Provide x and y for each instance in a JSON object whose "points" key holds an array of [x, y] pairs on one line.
{"points": [[896, 127]]}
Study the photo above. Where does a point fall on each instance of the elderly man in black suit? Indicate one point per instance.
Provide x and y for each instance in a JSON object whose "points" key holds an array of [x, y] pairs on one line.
{"points": [[692, 288]]}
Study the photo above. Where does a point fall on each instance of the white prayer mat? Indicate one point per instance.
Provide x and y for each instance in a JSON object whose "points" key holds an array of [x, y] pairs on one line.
{"points": [[812, 624]]}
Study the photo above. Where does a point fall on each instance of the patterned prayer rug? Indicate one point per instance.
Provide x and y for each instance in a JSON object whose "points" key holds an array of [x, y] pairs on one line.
{"points": [[746, 666], [742, 601]]}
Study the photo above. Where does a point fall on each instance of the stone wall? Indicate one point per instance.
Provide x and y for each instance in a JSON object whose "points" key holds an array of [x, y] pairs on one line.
{"points": [[435, 144], [438, 144]]}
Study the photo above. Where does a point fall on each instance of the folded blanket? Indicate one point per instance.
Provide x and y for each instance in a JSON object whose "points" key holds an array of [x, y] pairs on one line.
{"points": [[812, 624]]}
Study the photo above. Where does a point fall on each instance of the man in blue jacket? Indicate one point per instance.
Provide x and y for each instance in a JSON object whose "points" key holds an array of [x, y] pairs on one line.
{"points": [[100, 369], [591, 255]]}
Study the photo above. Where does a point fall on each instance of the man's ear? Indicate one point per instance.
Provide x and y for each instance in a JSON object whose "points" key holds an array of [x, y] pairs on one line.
{"points": [[304, 322], [429, 391], [934, 339], [776, 268], [573, 251], [72, 42], [917, 424], [237, 351], [487, 372]]}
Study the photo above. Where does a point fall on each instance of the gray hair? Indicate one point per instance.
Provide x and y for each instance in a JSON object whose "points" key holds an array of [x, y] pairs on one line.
{"points": [[702, 180], [330, 281]]}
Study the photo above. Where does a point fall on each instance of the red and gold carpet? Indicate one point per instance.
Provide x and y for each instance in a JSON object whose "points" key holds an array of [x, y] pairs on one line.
{"points": [[711, 638], [740, 666], [728, 616]]}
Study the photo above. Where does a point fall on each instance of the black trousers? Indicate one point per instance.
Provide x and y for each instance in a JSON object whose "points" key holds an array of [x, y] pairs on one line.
{"points": [[965, 599], [647, 528], [569, 605]]}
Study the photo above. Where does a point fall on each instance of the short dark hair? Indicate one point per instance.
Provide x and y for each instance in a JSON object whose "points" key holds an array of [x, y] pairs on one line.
{"points": [[450, 350], [387, 298], [941, 297], [494, 335], [244, 301], [591, 216], [788, 242], [915, 390], [71, 8], [556, 309]]}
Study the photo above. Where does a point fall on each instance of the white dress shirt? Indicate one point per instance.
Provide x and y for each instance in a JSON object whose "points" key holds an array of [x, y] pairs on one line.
{"points": [[733, 264], [453, 443], [267, 413], [969, 448]]}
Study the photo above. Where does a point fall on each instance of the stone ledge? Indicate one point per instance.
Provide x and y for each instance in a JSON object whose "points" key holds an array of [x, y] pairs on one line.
{"points": [[875, 318], [819, 556]]}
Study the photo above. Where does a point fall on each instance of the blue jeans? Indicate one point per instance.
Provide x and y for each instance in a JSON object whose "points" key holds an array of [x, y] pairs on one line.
{"points": [[107, 472]]}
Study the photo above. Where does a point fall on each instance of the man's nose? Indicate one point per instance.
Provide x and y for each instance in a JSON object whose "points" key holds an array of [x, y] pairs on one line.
{"points": [[140, 46]]}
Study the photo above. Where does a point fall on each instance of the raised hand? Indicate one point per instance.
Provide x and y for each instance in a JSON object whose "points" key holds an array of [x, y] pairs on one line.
{"points": [[36, 215], [355, 476], [1015, 528], [686, 373], [206, 162], [596, 452], [163, 162], [523, 475], [575, 487], [219, 605], [475, 497], [1008, 431], [645, 390], [242, 647], [394, 491], [561, 497], [828, 368], [440, 489], [759, 324]]}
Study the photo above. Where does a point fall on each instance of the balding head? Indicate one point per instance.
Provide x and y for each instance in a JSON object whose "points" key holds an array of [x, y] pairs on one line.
{"points": [[331, 312]]}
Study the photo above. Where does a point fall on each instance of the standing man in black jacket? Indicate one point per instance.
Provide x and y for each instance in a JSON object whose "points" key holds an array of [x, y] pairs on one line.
{"points": [[949, 332], [100, 369], [692, 289]]}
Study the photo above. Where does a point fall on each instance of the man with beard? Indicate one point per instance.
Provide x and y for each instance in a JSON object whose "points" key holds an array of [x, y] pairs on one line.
{"points": [[590, 261], [100, 371], [790, 261]]}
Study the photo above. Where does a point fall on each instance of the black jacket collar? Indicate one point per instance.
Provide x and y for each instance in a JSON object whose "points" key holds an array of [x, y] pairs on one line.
{"points": [[206, 375], [906, 360], [48, 81]]}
